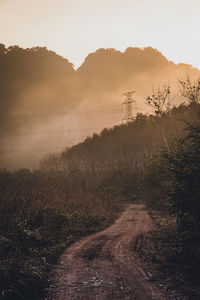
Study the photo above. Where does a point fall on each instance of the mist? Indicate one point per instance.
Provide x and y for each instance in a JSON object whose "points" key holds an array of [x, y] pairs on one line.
{"points": [[47, 105]]}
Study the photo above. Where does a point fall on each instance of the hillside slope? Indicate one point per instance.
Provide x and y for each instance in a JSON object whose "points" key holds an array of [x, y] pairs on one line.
{"points": [[39, 89]]}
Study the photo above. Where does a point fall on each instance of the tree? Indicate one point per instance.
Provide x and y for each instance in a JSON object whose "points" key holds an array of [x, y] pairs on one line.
{"points": [[190, 90], [184, 165], [160, 100]]}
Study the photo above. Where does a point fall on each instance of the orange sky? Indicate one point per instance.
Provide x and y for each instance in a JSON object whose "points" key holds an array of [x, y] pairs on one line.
{"points": [[74, 28]]}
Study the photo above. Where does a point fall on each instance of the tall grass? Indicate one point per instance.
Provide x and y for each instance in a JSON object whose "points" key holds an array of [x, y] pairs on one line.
{"points": [[41, 213], [78, 192]]}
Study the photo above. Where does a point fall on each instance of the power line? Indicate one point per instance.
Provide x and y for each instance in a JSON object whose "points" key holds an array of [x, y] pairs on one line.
{"points": [[63, 132], [95, 111], [29, 116], [33, 150], [46, 149], [32, 115], [54, 132]]}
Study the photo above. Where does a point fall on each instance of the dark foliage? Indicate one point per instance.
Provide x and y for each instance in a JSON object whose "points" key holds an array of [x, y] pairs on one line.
{"points": [[41, 213], [172, 184], [77, 192]]}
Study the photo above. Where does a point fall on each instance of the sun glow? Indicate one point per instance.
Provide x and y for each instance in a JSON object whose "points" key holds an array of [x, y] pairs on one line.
{"points": [[76, 28]]}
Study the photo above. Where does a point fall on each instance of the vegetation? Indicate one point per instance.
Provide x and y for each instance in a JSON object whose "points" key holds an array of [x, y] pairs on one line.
{"points": [[172, 190], [41, 213], [172, 183], [39, 90], [154, 158]]}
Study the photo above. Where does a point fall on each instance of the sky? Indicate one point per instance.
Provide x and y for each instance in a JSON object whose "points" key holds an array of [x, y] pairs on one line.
{"points": [[75, 28]]}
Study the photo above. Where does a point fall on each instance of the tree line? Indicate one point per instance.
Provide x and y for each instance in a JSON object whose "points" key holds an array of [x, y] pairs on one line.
{"points": [[153, 159]]}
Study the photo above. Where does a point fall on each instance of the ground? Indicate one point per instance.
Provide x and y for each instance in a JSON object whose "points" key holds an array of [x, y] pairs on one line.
{"points": [[106, 266]]}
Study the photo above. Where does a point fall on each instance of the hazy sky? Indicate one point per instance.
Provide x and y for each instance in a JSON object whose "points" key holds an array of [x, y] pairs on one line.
{"points": [[74, 28]]}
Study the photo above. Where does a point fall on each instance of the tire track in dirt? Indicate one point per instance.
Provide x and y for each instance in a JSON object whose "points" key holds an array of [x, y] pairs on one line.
{"points": [[104, 266]]}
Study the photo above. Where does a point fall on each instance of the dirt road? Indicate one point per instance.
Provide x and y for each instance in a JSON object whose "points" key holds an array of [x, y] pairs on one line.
{"points": [[104, 265]]}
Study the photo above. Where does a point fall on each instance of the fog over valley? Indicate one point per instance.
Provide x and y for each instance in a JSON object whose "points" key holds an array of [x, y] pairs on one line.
{"points": [[46, 105]]}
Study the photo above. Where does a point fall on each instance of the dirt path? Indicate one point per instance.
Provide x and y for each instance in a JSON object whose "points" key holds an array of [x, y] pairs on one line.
{"points": [[104, 265]]}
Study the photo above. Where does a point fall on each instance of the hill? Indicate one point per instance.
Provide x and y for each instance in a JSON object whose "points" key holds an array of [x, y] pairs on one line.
{"points": [[154, 159], [39, 89]]}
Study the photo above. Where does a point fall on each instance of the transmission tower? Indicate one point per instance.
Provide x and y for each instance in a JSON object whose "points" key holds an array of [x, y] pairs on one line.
{"points": [[128, 102]]}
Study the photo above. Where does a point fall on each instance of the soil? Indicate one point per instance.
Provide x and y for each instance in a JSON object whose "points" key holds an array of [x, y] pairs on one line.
{"points": [[106, 265]]}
